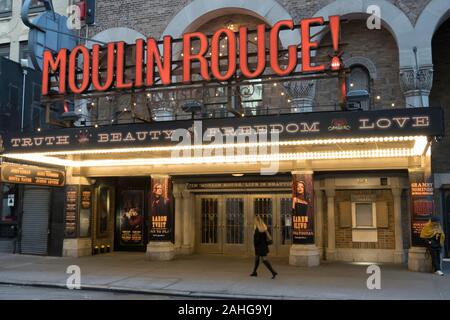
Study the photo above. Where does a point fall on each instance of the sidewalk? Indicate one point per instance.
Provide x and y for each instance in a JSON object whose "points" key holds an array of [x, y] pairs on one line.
{"points": [[223, 277]]}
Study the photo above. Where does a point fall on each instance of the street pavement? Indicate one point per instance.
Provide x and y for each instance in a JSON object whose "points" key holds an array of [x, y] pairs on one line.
{"points": [[223, 277]]}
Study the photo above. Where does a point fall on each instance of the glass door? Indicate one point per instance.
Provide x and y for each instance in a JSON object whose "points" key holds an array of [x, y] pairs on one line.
{"points": [[234, 225], [263, 206], [283, 224], [209, 231]]}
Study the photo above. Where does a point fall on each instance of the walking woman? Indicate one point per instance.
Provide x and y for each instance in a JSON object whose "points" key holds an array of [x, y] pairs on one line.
{"points": [[261, 241], [434, 239]]}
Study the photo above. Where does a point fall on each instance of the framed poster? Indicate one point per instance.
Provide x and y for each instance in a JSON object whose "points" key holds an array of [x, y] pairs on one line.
{"points": [[131, 229], [302, 208], [161, 209]]}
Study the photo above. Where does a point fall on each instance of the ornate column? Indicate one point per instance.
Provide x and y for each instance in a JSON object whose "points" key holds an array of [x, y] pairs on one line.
{"points": [[304, 251], [188, 223], [161, 233], [416, 85], [399, 254], [318, 220], [177, 194], [302, 94], [331, 250]]}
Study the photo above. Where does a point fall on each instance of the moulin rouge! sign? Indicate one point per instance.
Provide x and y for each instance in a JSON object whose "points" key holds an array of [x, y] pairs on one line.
{"points": [[148, 57]]}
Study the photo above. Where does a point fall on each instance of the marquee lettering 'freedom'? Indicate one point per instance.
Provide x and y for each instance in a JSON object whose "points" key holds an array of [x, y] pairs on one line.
{"points": [[148, 57]]}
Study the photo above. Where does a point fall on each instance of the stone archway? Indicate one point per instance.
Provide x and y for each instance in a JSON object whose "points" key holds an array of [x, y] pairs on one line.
{"points": [[392, 18], [434, 14], [200, 11]]}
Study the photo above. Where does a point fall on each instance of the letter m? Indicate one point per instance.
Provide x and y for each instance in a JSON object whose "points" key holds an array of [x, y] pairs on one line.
{"points": [[54, 66]]}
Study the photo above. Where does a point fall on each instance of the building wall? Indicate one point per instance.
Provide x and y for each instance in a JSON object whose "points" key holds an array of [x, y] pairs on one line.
{"points": [[381, 49], [440, 96], [386, 236], [13, 31]]}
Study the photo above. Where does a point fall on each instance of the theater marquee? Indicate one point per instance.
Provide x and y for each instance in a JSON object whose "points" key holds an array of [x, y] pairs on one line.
{"points": [[330, 125]]}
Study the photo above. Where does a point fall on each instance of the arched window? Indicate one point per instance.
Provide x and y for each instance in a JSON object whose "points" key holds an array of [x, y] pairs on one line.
{"points": [[359, 79]]}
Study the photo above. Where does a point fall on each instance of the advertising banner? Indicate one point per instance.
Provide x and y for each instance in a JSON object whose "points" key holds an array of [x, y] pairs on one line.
{"points": [[161, 209], [422, 203], [302, 208], [131, 217]]}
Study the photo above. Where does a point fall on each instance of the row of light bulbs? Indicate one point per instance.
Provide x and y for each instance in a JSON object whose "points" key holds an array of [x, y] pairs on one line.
{"points": [[331, 155]]}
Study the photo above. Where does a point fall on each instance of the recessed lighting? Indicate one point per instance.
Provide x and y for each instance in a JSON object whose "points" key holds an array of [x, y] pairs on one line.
{"points": [[282, 93], [275, 84], [39, 129], [393, 104], [96, 125], [378, 97], [237, 174]]}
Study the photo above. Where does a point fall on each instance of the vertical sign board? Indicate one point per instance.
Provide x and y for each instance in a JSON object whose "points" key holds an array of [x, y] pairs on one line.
{"points": [[71, 214], [131, 217], [302, 208], [161, 209], [85, 211], [422, 203]]}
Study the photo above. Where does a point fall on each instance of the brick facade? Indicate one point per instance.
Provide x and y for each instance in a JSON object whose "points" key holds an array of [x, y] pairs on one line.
{"points": [[386, 236]]}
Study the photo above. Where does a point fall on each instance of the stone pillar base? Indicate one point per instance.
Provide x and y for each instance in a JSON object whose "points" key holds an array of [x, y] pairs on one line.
{"points": [[77, 247], [160, 251], [304, 255], [330, 254], [186, 249], [399, 257], [418, 260]]}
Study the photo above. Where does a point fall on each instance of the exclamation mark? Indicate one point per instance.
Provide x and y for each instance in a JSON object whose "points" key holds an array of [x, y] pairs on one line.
{"points": [[335, 30]]}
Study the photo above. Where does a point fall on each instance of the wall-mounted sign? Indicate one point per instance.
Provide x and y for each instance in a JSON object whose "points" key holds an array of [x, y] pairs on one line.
{"points": [[150, 63], [11, 200], [71, 212], [26, 174], [301, 126], [238, 185]]}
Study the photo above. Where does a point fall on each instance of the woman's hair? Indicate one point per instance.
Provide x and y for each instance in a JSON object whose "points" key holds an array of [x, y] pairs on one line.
{"points": [[259, 224], [298, 195]]}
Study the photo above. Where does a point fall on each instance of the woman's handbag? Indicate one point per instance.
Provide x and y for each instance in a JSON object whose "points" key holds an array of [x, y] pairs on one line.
{"points": [[269, 238]]}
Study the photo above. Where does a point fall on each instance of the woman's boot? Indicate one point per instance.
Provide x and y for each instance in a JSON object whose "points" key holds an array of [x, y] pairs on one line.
{"points": [[254, 274], [268, 265]]}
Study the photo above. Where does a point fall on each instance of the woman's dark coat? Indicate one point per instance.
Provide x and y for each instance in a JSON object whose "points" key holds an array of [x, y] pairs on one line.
{"points": [[260, 243]]}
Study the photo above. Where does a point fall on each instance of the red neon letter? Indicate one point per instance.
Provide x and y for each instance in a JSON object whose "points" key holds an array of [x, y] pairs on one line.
{"points": [[215, 54], [96, 67], [292, 50], [73, 64], [139, 62], [120, 69], [153, 54], [188, 57], [261, 50], [307, 45], [61, 63]]}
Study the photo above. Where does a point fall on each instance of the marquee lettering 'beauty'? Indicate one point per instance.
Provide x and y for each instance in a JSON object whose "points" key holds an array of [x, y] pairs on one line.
{"points": [[151, 65]]}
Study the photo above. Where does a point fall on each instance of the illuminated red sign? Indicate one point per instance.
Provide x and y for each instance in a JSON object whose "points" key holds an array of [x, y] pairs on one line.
{"points": [[148, 58]]}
